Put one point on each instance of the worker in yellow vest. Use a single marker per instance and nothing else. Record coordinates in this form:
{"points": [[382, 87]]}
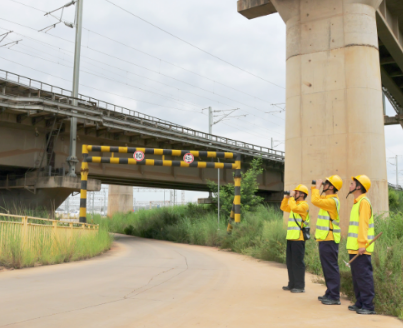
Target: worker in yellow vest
{"points": [[328, 235], [360, 233], [298, 219]]}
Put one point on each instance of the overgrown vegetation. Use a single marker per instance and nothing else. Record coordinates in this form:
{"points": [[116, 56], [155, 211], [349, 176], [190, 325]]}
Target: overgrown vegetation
{"points": [[15, 252], [249, 188], [261, 234]]}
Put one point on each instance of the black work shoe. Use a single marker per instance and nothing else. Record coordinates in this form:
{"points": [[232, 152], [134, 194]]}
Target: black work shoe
{"points": [[286, 288], [322, 298], [353, 308], [296, 290], [365, 311], [330, 301]]}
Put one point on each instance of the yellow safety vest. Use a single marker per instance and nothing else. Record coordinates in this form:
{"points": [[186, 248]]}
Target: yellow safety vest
{"points": [[352, 237], [323, 224], [293, 230]]}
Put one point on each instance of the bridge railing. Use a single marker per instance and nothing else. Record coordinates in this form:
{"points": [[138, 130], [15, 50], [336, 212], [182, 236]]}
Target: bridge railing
{"points": [[148, 120]]}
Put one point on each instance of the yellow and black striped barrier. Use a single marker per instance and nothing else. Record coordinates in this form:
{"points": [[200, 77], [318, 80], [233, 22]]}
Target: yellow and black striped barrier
{"points": [[236, 207]]}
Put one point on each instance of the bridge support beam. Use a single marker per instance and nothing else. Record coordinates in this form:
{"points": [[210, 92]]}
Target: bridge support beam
{"points": [[120, 199], [334, 116]]}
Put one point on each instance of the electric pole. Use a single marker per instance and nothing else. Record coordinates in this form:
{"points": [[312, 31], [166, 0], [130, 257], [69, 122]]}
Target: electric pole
{"points": [[397, 173], [72, 159], [210, 121], [225, 116]]}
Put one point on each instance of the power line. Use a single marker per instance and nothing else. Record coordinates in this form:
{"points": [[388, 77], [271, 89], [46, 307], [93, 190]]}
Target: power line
{"points": [[150, 69], [107, 78], [31, 55], [87, 86], [234, 127], [60, 49], [124, 96], [129, 72], [27, 6], [141, 51], [192, 45], [130, 85]]}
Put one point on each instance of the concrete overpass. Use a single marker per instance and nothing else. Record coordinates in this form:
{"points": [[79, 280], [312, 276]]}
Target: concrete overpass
{"points": [[35, 118], [389, 21]]}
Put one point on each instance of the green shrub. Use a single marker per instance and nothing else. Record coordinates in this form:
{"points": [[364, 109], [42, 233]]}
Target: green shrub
{"points": [[249, 187], [128, 230]]}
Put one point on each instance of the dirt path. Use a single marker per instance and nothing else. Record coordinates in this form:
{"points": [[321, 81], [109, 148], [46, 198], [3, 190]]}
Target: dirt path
{"points": [[147, 283]]}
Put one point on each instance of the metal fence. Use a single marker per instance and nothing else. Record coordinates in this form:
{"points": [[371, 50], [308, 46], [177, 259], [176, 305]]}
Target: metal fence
{"points": [[31, 232]]}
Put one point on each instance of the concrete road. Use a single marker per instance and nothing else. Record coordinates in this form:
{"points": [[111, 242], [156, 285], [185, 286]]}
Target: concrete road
{"points": [[147, 283]]}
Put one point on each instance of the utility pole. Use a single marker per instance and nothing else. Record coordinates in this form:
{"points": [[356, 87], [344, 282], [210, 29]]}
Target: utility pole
{"points": [[72, 159], [105, 195], [397, 174], [218, 209], [210, 121]]}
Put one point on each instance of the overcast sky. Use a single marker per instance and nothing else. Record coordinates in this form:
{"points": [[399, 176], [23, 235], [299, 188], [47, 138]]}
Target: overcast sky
{"points": [[131, 63]]}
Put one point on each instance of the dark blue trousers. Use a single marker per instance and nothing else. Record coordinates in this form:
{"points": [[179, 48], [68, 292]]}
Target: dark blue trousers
{"points": [[329, 256], [363, 281], [295, 264]]}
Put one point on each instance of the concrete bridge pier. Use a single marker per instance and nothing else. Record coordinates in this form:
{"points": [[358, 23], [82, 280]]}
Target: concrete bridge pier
{"points": [[334, 116], [120, 199]]}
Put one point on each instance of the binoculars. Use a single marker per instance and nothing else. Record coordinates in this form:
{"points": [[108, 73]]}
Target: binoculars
{"points": [[287, 193], [314, 182]]}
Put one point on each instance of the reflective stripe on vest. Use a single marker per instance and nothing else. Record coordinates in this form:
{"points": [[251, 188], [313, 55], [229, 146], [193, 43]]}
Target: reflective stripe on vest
{"points": [[293, 230], [353, 228], [323, 224]]}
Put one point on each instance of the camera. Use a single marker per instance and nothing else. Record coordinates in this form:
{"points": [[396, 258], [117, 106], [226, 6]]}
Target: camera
{"points": [[287, 193]]}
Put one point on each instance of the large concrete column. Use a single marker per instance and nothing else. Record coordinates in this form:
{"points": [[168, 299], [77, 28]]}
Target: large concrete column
{"points": [[120, 199], [334, 119]]}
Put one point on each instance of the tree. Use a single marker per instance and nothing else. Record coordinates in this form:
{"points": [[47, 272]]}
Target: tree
{"points": [[249, 187]]}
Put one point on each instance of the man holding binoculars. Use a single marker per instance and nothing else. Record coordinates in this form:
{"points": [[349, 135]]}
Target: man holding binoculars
{"points": [[328, 234], [294, 203]]}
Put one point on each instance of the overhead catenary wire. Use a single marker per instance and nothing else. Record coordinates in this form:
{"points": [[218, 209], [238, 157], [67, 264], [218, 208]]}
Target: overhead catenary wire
{"points": [[143, 52], [120, 95], [194, 94], [263, 111], [87, 86], [56, 47], [194, 46], [135, 87], [107, 78]]}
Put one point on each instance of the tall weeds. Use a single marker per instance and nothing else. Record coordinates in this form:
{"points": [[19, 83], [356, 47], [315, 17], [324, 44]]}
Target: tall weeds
{"points": [[16, 253]]}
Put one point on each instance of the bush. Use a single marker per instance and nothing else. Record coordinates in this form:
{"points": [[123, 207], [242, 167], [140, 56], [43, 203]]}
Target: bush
{"points": [[249, 187]]}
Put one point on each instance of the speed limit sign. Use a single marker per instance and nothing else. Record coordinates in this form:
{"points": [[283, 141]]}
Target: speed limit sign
{"points": [[138, 156], [188, 158]]}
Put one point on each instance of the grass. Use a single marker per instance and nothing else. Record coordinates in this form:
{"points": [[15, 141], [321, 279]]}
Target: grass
{"points": [[261, 234], [42, 248]]}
